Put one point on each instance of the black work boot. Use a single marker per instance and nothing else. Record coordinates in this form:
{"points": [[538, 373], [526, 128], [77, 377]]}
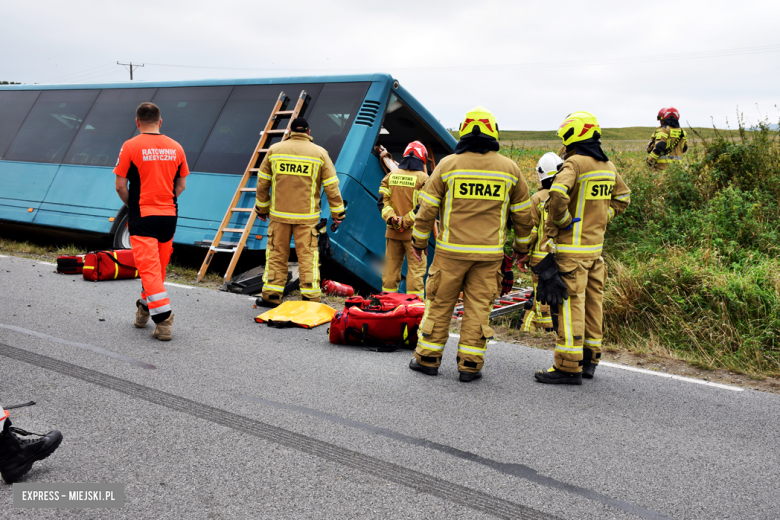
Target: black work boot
{"points": [[262, 302], [468, 377], [554, 376], [428, 371], [17, 455], [588, 367]]}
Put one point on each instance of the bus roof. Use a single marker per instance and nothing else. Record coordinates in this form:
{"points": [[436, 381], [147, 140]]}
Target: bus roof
{"points": [[206, 82]]}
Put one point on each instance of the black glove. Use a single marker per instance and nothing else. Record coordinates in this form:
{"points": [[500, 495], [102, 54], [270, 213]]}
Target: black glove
{"points": [[551, 290], [529, 304], [323, 240]]}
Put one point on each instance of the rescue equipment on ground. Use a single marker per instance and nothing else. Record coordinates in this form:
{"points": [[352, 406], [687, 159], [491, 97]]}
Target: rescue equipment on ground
{"points": [[251, 282], [388, 321], [332, 288], [548, 166], [117, 264], [277, 114], [508, 303], [70, 264], [302, 314], [579, 126], [482, 118]]}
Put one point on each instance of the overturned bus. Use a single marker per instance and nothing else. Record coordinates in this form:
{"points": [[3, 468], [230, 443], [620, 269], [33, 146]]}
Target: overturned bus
{"points": [[59, 144]]}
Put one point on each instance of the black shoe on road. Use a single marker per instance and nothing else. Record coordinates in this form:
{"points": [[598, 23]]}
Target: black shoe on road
{"points": [[468, 377], [556, 377], [17, 455], [428, 371], [260, 302], [589, 370]]}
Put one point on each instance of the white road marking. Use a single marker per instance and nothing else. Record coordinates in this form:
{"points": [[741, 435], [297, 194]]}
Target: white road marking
{"points": [[181, 285], [672, 376], [47, 263], [4, 256]]}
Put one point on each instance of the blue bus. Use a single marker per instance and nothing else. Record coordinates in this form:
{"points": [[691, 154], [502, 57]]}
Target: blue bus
{"points": [[59, 144]]}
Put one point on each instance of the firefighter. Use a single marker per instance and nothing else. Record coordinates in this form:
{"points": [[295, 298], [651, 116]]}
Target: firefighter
{"points": [[289, 183], [398, 192], [18, 455], [474, 191], [669, 142], [538, 316], [156, 168], [586, 195]]}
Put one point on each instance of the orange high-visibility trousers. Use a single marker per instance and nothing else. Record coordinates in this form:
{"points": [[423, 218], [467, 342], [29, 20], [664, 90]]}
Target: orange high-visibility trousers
{"points": [[151, 260]]}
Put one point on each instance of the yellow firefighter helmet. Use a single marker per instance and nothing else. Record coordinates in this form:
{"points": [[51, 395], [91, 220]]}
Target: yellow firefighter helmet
{"points": [[579, 126], [481, 118]]}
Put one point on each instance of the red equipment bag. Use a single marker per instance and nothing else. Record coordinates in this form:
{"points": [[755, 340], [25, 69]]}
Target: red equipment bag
{"points": [[118, 264], [70, 264], [388, 321]]}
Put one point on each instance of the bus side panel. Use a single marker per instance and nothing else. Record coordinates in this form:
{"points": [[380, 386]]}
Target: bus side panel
{"points": [[24, 185], [203, 205], [359, 243], [80, 197]]}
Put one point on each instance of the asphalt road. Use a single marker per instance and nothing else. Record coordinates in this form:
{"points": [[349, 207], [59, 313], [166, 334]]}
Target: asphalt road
{"points": [[233, 419]]}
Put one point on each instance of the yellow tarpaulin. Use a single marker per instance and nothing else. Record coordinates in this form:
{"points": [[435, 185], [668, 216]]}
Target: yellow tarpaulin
{"points": [[303, 314]]}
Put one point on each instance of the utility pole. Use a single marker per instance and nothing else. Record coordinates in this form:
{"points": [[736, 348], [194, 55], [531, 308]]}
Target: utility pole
{"points": [[130, 67]]}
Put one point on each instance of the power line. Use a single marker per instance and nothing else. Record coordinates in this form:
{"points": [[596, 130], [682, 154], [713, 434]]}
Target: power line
{"points": [[79, 73], [130, 67]]}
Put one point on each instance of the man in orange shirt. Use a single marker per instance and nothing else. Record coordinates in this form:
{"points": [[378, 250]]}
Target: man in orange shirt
{"points": [[156, 169]]}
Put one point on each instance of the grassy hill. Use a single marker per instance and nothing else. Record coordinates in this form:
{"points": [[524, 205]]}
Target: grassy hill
{"points": [[631, 133]]}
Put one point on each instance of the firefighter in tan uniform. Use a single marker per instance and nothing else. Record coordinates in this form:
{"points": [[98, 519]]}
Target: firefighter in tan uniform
{"points": [[538, 316], [399, 192], [289, 184], [474, 192], [587, 194], [669, 142]]}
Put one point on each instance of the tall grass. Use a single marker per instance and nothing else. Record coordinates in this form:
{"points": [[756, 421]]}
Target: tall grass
{"points": [[693, 262]]}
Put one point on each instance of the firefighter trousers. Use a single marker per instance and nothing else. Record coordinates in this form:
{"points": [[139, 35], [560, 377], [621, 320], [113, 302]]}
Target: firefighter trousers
{"points": [[581, 317], [539, 316], [277, 254], [480, 283], [395, 252], [151, 239]]}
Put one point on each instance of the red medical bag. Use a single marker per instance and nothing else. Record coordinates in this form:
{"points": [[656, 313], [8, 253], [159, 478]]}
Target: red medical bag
{"points": [[386, 320], [118, 264]]}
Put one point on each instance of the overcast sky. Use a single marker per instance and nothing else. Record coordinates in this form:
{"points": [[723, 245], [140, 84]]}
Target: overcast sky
{"points": [[531, 63]]}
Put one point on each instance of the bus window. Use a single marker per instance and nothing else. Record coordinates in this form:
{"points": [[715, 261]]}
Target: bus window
{"points": [[51, 125], [333, 114], [401, 126], [238, 128], [14, 107], [189, 114], [109, 124]]}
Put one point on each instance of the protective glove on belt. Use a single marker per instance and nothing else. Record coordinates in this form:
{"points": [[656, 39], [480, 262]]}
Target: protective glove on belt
{"points": [[550, 290]]}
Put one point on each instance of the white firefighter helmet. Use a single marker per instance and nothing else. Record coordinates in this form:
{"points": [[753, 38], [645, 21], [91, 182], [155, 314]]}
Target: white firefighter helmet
{"points": [[548, 165]]}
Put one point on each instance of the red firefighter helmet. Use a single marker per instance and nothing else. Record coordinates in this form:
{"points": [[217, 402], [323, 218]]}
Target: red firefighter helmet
{"points": [[417, 149], [666, 113]]}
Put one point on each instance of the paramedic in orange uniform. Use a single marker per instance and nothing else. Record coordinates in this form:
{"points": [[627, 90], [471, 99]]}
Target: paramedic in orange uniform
{"points": [[156, 169]]}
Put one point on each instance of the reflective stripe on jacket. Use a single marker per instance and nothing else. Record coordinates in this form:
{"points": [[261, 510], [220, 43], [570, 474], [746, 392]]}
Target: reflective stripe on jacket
{"points": [[592, 191], [538, 235], [399, 192], [474, 194], [291, 179]]}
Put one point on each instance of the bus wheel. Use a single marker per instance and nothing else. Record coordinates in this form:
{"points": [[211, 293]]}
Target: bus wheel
{"points": [[122, 234]]}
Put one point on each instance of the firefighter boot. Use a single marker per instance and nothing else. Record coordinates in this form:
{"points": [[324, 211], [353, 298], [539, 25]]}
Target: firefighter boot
{"points": [[588, 368], [558, 377], [17, 455], [428, 371], [142, 315], [163, 331], [468, 377]]}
